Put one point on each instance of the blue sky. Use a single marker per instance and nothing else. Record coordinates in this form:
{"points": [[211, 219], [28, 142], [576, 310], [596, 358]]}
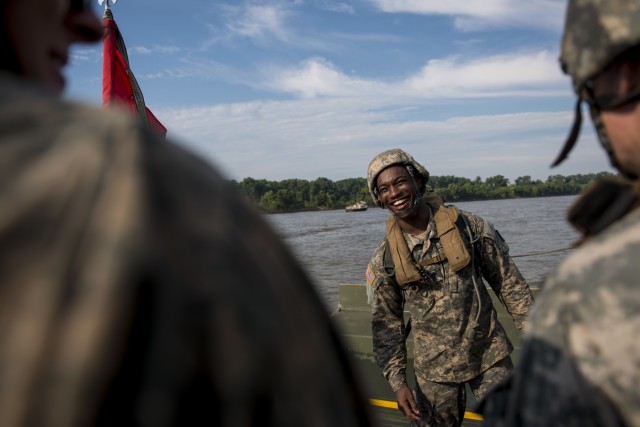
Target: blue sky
{"points": [[278, 89]]}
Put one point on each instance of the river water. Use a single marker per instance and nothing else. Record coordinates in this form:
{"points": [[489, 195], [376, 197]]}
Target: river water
{"points": [[336, 246]]}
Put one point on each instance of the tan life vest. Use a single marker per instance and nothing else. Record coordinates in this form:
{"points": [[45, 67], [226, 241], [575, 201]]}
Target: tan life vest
{"points": [[455, 250]]}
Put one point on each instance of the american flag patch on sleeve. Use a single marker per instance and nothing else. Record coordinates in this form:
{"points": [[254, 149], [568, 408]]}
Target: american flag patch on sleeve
{"points": [[370, 275]]}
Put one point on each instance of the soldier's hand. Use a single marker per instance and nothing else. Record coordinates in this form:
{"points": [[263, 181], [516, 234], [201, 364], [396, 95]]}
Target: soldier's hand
{"points": [[407, 404]]}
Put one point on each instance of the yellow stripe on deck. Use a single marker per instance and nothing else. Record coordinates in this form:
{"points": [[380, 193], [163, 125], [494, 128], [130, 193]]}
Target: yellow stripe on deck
{"points": [[394, 405]]}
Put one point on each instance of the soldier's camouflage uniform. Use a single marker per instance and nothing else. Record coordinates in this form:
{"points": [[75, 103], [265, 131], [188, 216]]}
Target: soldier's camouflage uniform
{"points": [[580, 361], [138, 289], [448, 346]]}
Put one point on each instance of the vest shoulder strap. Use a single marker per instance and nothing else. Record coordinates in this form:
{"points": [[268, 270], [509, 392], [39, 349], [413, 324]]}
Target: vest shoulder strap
{"points": [[449, 223], [387, 263]]}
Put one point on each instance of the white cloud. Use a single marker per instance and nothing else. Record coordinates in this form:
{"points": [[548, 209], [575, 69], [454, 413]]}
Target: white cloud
{"points": [[260, 22], [500, 75], [336, 138], [480, 15], [335, 6], [143, 50], [522, 74], [316, 77], [85, 55], [266, 24]]}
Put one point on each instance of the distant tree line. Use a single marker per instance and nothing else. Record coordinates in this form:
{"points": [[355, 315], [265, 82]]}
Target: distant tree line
{"points": [[293, 195]]}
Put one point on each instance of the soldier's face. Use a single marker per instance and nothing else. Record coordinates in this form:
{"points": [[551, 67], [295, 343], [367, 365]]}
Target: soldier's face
{"points": [[41, 33], [623, 122], [398, 190]]}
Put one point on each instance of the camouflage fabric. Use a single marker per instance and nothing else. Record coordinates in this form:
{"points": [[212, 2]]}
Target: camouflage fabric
{"points": [[138, 289], [447, 346], [597, 31], [388, 158], [443, 404], [579, 365]]}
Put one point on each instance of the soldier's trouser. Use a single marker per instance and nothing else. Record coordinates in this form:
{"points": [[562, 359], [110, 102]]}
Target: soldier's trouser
{"points": [[443, 404]]}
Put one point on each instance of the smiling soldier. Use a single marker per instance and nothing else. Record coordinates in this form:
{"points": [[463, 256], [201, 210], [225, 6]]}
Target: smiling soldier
{"points": [[432, 263]]}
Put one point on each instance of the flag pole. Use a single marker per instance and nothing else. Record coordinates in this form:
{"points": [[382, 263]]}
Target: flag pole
{"points": [[119, 85], [106, 3]]}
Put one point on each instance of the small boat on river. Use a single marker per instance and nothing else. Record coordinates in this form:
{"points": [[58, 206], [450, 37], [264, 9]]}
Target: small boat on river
{"points": [[358, 207]]}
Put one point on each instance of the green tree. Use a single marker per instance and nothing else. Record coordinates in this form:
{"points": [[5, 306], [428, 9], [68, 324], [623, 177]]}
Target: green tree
{"points": [[322, 193], [496, 181]]}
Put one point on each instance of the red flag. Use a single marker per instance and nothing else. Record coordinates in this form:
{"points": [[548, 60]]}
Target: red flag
{"points": [[119, 85]]}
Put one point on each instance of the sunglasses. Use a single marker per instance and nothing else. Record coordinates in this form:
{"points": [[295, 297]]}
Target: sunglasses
{"points": [[611, 102], [618, 84]]}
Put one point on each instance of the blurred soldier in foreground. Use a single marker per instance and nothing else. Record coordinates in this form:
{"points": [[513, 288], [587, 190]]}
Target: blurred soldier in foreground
{"points": [[433, 260], [580, 364], [136, 288]]}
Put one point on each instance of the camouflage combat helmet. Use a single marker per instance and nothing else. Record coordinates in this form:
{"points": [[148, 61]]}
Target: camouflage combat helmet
{"points": [[596, 32], [390, 158]]}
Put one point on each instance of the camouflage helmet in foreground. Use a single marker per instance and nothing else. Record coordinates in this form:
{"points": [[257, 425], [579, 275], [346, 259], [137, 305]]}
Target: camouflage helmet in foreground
{"points": [[595, 33], [391, 158]]}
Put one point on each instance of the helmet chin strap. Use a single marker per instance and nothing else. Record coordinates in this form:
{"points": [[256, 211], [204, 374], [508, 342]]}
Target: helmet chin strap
{"points": [[413, 207], [573, 135], [601, 131]]}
